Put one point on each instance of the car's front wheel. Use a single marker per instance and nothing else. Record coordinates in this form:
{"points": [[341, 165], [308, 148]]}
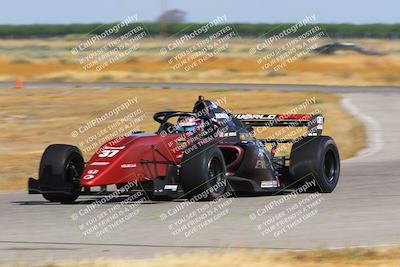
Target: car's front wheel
{"points": [[61, 167], [203, 174]]}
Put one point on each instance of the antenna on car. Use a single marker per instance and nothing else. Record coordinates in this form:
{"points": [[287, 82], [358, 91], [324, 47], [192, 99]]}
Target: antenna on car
{"points": [[201, 97]]}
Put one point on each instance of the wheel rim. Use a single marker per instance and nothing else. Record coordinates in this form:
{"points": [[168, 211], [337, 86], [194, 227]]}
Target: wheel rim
{"points": [[73, 170], [215, 173], [330, 166]]}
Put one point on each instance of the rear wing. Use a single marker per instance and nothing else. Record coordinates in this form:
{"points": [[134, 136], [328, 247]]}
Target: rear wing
{"points": [[313, 122]]}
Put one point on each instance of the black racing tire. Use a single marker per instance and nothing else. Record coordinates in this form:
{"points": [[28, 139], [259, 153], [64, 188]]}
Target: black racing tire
{"points": [[315, 158], [66, 164], [203, 174]]}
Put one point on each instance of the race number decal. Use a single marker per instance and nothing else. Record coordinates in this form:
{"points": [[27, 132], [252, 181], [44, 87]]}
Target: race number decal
{"points": [[108, 153]]}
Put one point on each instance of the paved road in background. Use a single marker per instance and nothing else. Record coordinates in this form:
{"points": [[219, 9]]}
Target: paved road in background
{"points": [[216, 86], [364, 210]]}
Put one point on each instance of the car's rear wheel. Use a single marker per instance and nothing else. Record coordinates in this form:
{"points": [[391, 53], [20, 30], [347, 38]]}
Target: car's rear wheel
{"points": [[61, 166], [203, 174], [315, 158]]}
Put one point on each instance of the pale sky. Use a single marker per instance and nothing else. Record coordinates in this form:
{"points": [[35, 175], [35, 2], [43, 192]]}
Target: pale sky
{"points": [[252, 11]]}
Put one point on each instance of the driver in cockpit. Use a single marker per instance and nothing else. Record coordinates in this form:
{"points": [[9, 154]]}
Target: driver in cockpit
{"points": [[187, 124]]}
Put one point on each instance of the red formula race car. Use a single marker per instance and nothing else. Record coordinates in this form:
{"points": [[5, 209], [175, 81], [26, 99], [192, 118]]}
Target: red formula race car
{"points": [[198, 155]]}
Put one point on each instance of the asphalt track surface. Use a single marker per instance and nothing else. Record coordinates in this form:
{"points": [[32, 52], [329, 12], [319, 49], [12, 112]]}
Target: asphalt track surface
{"points": [[210, 86], [363, 211]]}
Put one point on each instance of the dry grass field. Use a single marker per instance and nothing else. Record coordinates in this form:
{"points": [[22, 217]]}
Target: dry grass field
{"points": [[31, 119], [351, 257], [52, 60]]}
